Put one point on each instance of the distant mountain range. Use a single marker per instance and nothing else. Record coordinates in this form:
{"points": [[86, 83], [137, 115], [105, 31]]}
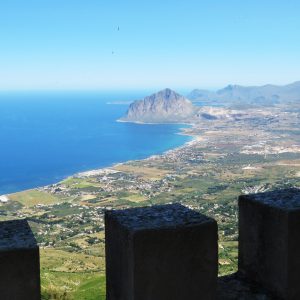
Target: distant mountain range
{"points": [[239, 96], [167, 106]]}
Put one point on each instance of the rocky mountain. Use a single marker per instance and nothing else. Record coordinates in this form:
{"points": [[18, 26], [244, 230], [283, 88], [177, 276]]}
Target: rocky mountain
{"points": [[237, 95], [168, 106], [162, 107]]}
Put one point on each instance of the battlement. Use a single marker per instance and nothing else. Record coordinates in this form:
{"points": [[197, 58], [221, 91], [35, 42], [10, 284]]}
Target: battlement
{"points": [[16, 235], [19, 262], [171, 252]]}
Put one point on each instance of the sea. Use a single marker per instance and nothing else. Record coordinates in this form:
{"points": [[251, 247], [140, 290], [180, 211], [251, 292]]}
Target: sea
{"points": [[48, 136]]}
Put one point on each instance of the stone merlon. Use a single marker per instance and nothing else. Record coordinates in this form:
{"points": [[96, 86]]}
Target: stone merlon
{"points": [[19, 262]]}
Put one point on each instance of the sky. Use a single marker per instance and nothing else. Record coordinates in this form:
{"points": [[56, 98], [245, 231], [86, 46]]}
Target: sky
{"points": [[130, 44]]}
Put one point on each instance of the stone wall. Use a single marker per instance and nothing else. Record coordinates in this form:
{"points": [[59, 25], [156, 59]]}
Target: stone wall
{"points": [[169, 252], [19, 262]]}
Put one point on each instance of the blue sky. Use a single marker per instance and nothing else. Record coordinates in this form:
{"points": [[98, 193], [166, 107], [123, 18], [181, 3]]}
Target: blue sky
{"points": [[75, 44]]}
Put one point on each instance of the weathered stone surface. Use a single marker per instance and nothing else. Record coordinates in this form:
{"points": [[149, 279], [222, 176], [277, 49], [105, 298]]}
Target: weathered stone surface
{"points": [[235, 287], [19, 262], [269, 241], [160, 252]]}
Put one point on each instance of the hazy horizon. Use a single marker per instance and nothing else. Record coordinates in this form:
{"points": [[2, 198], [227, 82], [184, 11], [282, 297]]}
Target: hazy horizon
{"points": [[130, 91]]}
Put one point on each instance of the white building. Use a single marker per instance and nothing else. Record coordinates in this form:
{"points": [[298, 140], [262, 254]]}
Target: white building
{"points": [[3, 199]]}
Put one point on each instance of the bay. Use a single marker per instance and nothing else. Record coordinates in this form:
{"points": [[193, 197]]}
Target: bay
{"points": [[47, 136]]}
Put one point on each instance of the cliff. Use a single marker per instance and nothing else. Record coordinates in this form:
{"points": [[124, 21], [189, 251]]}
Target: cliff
{"points": [[165, 106]]}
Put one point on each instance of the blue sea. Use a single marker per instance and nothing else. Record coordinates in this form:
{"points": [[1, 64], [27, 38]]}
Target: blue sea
{"points": [[47, 136]]}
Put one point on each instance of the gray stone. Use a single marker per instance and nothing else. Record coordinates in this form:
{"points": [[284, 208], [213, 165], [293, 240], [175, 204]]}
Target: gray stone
{"points": [[164, 106], [235, 287], [164, 252], [19, 262], [269, 241]]}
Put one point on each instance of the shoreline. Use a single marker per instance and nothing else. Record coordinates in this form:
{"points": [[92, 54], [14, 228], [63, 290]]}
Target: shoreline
{"points": [[110, 168], [154, 123], [104, 169]]}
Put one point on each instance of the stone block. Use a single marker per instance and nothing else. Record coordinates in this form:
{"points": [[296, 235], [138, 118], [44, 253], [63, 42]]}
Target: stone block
{"points": [[269, 241], [19, 262], [164, 252]]}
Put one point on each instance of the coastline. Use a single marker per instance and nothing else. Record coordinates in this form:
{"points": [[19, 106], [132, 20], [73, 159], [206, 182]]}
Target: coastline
{"points": [[110, 168], [88, 137], [154, 123]]}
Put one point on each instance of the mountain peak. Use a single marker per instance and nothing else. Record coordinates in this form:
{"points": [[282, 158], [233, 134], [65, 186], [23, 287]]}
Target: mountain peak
{"points": [[245, 96], [167, 91], [163, 106], [168, 94]]}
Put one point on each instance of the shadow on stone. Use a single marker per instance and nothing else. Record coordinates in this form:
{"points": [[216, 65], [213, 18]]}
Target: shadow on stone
{"points": [[19, 262], [236, 287], [269, 241], [164, 252]]}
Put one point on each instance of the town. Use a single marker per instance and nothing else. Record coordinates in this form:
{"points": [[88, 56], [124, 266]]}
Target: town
{"points": [[225, 158]]}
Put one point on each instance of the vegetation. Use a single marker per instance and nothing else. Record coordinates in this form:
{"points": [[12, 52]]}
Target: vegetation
{"points": [[207, 175]]}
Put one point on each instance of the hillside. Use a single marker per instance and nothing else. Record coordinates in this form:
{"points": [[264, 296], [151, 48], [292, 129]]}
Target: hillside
{"points": [[168, 106], [233, 95], [165, 106], [224, 160]]}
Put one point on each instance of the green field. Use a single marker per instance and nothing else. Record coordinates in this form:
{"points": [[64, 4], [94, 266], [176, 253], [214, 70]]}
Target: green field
{"points": [[67, 217], [66, 275], [32, 197]]}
